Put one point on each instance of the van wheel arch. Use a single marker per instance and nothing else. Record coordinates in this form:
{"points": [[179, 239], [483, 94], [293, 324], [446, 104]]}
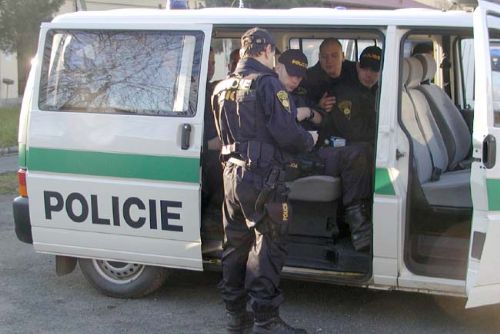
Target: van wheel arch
{"points": [[122, 279]]}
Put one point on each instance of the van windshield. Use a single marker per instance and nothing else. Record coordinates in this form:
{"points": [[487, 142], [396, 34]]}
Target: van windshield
{"points": [[139, 72]]}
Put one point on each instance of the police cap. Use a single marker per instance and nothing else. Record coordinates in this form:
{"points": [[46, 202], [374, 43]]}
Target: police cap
{"points": [[370, 58], [295, 62]]}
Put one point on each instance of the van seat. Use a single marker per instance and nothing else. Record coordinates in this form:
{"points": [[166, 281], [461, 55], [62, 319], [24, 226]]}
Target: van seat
{"points": [[454, 130], [315, 188], [456, 183], [452, 189]]}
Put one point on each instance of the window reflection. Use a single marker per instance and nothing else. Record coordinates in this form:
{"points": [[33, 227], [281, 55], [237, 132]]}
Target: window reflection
{"points": [[152, 73]]}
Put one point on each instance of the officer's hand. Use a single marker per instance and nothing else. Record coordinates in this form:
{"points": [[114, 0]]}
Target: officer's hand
{"points": [[314, 135], [303, 113], [327, 101]]}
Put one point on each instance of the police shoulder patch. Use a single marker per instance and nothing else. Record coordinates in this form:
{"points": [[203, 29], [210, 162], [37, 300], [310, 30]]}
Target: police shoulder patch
{"points": [[283, 98], [345, 107]]}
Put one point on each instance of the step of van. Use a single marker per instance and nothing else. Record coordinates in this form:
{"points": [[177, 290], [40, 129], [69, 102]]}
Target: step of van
{"points": [[314, 219], [312, 253], [325, 254]]}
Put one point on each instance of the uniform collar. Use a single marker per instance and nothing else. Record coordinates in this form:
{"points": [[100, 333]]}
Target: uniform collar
{"points": [[249, 65]]}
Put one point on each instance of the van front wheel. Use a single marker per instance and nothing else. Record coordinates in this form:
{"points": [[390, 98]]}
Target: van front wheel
{"points": [[122, 279]]}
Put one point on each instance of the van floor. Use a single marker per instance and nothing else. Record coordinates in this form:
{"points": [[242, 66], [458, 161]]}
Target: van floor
{"points": [[438, 243]]}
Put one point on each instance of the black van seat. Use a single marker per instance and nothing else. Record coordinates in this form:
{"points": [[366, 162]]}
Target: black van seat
{"points": [[315, 188]]}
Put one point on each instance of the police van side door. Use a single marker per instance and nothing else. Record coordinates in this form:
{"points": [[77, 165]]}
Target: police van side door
{"points": [[113, 153], [483, 274]]}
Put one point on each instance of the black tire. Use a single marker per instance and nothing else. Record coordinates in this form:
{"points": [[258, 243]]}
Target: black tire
{"points": [[121, 279]]}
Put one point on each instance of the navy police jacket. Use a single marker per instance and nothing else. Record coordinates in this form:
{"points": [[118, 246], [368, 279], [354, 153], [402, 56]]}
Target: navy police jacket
{"points": [[256, 117], [317, 82], [353, 116]]}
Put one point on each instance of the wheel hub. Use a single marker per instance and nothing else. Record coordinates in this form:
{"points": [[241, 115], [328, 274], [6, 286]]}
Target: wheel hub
{"points": [[118, 272]]}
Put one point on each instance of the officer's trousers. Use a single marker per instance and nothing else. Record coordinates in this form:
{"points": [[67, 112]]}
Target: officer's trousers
{"points": [[251, 261], [354, 165]]}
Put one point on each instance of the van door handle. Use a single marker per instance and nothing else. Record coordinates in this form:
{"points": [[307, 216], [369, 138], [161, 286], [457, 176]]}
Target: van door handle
{"points": [[489, 151], [186, 135]]}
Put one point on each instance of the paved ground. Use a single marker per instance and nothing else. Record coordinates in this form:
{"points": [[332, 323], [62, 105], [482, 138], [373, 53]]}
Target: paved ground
{"points": [[34, 300], [8, 163]]}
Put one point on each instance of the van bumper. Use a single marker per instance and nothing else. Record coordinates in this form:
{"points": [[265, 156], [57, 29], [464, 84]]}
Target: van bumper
{"points": [[22, 219]]}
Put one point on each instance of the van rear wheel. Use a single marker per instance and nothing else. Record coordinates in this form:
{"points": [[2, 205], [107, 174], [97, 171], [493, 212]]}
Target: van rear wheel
{"points": [[122, 279]]}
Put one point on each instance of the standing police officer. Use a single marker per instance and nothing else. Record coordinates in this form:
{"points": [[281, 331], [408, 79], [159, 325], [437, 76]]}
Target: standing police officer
{"points": [[257, 124]]}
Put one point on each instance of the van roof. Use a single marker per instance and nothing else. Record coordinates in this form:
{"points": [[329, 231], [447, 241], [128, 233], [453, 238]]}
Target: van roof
{"points": [[241, 16]]}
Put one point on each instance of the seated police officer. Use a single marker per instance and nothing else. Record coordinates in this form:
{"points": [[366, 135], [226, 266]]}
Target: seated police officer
{"points": [[353, 118], [291, 68], [352, 163], [259, 132], [331, 69]]}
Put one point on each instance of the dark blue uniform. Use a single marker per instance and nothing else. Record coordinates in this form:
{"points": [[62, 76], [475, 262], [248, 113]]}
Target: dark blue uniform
{"points": [[353, 118], [257, 124], [318, 82], [351, 163]]}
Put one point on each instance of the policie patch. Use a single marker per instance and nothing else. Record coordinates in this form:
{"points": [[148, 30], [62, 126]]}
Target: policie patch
{"points": [[283, 98], [346, 108]]}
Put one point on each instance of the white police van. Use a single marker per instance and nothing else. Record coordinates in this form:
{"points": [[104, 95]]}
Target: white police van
{"points": [[110, 143]]}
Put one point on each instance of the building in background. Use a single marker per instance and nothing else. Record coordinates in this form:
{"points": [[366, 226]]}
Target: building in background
{"points": [[8, 76], [8, 62], [376, 4]]}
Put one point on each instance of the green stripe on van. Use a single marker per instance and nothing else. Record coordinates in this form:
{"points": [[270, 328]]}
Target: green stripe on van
{"points": [[114, 164], [383, 184], [493, 188]]}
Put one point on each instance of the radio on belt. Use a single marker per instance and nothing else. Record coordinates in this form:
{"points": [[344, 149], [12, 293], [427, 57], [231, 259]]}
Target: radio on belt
{"points": [[335, 141]]}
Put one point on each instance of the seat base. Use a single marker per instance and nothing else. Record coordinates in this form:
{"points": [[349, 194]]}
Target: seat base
{"points": [[315, 188]]}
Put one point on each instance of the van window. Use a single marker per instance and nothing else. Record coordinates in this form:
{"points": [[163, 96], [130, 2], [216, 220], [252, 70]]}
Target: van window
{"points": [[467, 63], [139, 72], [222, 50], [495, 67], [352, 48]]}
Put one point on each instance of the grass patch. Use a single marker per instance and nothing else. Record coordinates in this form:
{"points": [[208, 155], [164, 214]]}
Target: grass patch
{"points": [[9, 122], [8, 183]]}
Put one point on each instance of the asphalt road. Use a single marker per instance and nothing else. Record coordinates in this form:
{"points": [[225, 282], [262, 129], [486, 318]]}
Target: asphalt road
{"points": [[34, 300], [8, 163]]}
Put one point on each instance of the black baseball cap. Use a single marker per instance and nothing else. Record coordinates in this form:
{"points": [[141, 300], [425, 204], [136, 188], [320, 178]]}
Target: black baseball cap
{"points": [[295, 62], [370, 58]]}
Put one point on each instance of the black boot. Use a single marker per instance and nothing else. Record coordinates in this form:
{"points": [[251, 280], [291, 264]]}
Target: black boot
{"points": [[357, 216], [239, 322], [275, 325]]}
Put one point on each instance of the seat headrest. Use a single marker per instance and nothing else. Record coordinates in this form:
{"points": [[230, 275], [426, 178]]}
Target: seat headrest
{"points": [[415, 73], [429, 65], [406, 72]]}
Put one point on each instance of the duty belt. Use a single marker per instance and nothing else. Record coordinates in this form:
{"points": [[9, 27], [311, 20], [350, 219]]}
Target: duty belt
{"points": [[237, 162]]}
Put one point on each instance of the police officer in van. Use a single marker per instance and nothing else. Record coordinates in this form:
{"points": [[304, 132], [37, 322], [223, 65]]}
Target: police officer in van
{"points": [[353, 115], [257, 124], [352, 162], [353, 118]]}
